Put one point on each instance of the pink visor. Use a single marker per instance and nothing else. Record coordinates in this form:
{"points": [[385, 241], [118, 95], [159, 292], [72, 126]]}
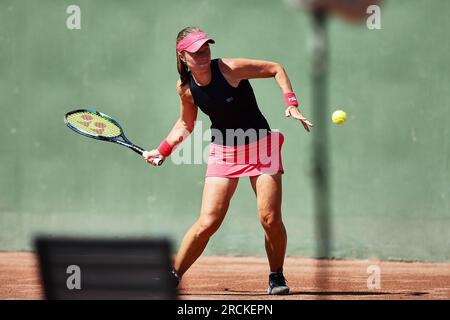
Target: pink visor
{"points": [[193, 41]]}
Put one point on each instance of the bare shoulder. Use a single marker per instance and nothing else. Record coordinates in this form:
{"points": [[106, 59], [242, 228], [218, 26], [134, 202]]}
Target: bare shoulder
{"points": [[230, 70], [228, 64], [237, 63], [184, 91], [242, 68]]}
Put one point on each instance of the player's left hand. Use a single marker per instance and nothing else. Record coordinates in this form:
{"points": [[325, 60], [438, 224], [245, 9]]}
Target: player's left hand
{"points": [[293, 112]]}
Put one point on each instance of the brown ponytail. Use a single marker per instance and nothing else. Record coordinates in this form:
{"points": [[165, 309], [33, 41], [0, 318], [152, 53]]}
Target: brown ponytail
{"points": [[183, 70]]}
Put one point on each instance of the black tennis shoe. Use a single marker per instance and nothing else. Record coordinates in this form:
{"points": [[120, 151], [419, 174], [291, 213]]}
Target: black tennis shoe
{"points": [[277, 284]]}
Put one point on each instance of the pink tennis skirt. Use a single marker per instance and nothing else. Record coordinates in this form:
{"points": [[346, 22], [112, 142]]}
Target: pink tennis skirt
{"points": [[256, 158]]}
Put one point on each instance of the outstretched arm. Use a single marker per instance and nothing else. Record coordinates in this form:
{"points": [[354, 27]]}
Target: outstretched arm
{"points": [[236, 70]]}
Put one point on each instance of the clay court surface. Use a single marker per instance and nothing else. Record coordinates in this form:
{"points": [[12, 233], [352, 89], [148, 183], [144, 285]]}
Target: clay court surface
{"points": [[224, 278]]}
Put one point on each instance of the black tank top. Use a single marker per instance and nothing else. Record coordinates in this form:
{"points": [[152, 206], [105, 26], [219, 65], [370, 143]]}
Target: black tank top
{"points": [[229, 108]]}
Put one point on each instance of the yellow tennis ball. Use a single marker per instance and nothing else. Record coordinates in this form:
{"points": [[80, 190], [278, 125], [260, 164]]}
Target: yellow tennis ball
{"points": [[339, 117]]}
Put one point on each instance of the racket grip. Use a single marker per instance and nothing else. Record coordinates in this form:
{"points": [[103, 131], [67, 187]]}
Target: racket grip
{"points": [[155, 161], [158, 161]]}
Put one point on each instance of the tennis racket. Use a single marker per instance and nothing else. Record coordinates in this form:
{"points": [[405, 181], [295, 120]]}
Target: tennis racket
{"points": [[96, 125]]}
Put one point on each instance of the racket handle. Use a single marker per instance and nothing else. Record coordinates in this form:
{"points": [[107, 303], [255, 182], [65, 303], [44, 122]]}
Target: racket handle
{"points": [[158, 161], [155, 161]]}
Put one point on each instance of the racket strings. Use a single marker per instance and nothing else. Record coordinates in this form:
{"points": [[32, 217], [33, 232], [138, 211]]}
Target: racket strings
{"points": [[94, 124]]}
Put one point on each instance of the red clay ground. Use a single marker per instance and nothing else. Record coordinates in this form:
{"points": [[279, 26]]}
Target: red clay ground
{"points": [[224, 278]]}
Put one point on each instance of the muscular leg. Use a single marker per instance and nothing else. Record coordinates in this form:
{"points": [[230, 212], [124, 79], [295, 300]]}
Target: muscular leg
{"points": [[268, 193], [217, 193]]}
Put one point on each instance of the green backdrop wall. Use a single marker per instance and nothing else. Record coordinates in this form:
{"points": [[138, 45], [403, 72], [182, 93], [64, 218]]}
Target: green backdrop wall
{"points": [[390, 161]]}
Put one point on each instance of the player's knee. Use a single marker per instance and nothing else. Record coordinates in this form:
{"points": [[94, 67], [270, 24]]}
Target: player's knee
{"points": [[271, 220], [207, 227]]}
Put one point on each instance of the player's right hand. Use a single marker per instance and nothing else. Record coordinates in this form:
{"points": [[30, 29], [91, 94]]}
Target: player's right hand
{"points": [[152, 157]]}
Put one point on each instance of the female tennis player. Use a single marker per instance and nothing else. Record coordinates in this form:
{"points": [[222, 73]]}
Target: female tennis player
{"points": [[221, 89]]}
